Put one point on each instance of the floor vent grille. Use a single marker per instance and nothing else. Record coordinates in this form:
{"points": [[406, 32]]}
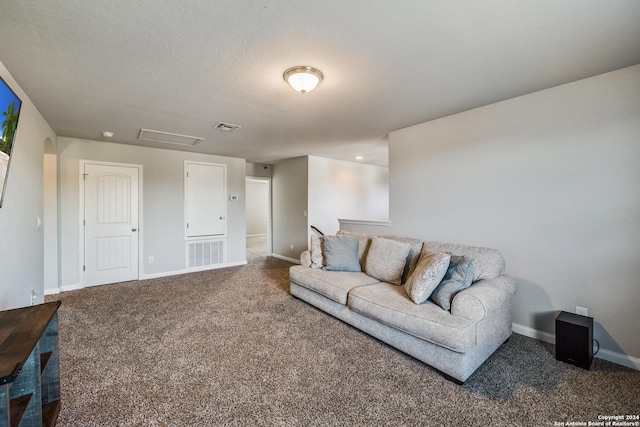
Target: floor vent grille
{"points": [[205, 253]]}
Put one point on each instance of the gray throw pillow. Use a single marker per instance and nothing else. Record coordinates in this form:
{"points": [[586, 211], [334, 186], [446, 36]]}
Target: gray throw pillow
{"points": [[363, 243], [386, 260], [459, 276], [341, 253], [427, 275]]}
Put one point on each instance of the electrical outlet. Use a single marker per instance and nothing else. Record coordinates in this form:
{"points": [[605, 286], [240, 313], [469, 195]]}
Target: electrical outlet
{"points": [[582, 311], [291, 248], [150, 260]]}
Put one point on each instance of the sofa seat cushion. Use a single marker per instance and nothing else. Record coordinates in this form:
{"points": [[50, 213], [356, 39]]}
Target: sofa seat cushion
{"points": [[390, 305], [334, 285]]}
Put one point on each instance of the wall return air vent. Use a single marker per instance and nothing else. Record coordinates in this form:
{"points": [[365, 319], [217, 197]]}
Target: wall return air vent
{"points": [[168, 138], [205, 254]]}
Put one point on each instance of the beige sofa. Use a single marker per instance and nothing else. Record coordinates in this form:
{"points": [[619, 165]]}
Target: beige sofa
{"points": [[455, 341]]}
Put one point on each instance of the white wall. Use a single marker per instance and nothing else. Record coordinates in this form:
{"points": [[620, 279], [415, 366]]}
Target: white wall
{"points": [[257, 203], [553, 180], [163, 203], [317, 191], [289, 203], [339, 189], [50, 219], [259, 170], [22, 248]]}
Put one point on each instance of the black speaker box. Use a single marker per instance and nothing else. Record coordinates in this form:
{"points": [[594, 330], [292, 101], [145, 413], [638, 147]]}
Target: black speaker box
{"points": [[574, 339]]}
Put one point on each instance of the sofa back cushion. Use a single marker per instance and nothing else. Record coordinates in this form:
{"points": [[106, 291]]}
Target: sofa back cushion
{"points": [[414, 254], [488, 262], [386, 260], [412, 257]]}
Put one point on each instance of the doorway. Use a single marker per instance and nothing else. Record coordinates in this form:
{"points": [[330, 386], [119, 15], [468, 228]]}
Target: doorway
{"points": [[258, 216]]}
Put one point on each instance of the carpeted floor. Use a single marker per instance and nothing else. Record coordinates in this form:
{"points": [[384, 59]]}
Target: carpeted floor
{"points": [[232, 347]]}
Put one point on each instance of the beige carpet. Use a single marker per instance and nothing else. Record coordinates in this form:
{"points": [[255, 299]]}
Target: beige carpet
{"points": [[232, 347]]}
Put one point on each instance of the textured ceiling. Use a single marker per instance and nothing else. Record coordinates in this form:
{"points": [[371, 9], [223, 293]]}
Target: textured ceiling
{"points": [[183, 66]]}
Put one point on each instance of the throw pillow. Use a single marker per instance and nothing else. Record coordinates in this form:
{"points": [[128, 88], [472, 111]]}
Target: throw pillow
{"points": [[341, 253], [317, 257], [459, 276], [488, 262], [386, 260], [364, 242], [427, 275]]}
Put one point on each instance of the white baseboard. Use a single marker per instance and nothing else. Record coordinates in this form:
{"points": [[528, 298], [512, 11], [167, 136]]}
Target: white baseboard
{"points": [[534, 333], [73, 287], [77, 286], [191, 270], [257, 235], [216, 267], [236, 264], [604, 354], [619, 358], [163, 274], [293, 260]]}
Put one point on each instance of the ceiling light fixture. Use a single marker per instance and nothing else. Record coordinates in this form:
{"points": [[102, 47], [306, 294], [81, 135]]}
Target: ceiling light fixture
{"points": [[303, 78]]}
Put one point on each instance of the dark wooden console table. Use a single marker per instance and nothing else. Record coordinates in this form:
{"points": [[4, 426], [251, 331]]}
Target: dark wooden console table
{"points": [[29, 366]]}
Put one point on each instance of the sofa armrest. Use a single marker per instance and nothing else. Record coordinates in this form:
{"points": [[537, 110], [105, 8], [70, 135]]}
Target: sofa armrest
{"points": [[484, 296], [305, 258]]}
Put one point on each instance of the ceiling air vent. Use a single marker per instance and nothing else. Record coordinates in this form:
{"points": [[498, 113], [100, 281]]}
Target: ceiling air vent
{"points": [[168, 138], [227, 127]]}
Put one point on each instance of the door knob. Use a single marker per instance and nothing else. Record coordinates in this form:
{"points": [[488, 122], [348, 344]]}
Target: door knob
{"points": [[134, 229]]}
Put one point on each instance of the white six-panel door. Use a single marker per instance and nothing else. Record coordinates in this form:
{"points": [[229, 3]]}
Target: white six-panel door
{"points": [[110, 224]]}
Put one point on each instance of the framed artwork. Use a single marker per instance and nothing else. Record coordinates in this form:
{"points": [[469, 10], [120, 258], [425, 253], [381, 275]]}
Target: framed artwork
{"points": [[10, 109]]}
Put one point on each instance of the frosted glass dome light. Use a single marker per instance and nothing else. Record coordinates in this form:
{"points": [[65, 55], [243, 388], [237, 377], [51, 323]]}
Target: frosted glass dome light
{"points": [[302, 78]]}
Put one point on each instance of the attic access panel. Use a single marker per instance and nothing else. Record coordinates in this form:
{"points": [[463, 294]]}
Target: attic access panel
{"points": [[168, 137]]}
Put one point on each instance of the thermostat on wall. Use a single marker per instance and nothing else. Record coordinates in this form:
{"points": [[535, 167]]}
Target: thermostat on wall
{"points": [[233, 197]]}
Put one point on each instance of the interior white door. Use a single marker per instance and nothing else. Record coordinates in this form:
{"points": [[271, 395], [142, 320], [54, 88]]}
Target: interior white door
{"points": [[110, 224], [205, 189]]}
